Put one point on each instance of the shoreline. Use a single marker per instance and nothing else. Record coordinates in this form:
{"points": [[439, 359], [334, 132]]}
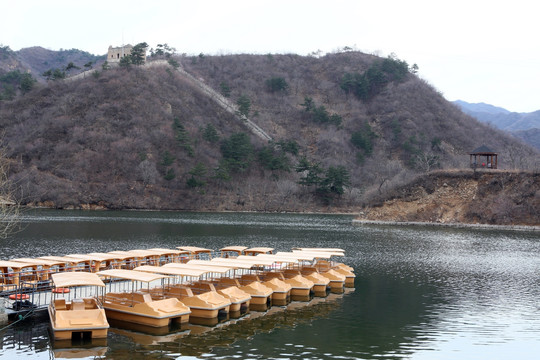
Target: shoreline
{"points": [[533, 228]]}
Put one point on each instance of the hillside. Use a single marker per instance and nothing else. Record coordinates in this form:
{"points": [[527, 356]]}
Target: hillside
{"points": [[492, 197], [151, 137]]}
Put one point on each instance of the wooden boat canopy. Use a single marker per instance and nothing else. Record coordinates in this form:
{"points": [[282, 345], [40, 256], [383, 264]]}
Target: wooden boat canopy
{"points": [[261, 250], [273, 258], [64, 259], [195, 249], [86, 257], [243, 261], [38, 261], [327, 254], [319, 249], [207, 266], [168, 269], [298, 256], [162, 251], [77, 278], [239, 249], [131, 275], [111, 256]]}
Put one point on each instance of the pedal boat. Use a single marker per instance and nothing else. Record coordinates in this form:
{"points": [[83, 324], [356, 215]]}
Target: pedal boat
{"points": [[213, 281], [301, 287], [206, 305], [232, 251], [260, 294], [81, 317], [324, 264], [137, 305], [198, 253]]}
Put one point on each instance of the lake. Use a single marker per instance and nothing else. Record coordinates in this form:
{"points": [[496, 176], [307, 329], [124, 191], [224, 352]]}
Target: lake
{"points": [[420, 292]]}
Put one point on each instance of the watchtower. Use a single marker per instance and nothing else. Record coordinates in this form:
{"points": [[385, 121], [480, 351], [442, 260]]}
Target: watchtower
{"points": [[116, 53]]}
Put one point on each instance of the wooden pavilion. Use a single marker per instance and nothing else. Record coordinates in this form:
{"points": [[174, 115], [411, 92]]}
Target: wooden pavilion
{"points": [[483, 157]]}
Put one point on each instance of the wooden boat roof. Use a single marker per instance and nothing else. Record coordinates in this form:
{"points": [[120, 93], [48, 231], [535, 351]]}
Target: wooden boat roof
{"points": [[260, 249], [163, 251], [15, 265], [141, 252], [206, 265], [76, 278], [195, 249], [170, 270], [319, 254], [37, 261], [111, 256], [86, 257], [273, 258], [334, 252], [234, 248], [131, 275], [125, 254], [319, 249], [243, 261], [298, 255], [64, 259]]}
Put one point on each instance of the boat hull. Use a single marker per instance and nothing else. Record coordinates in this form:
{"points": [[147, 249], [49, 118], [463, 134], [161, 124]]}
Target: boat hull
{"points": [[145, 320]]}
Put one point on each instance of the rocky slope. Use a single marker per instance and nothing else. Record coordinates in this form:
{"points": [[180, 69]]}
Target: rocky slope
{"points": [[490, 197]]}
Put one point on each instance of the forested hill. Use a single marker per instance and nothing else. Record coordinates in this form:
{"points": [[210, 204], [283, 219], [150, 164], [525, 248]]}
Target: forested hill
{"points": [[344, 127]]}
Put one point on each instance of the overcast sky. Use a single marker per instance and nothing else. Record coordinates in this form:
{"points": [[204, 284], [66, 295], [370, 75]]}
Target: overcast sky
{"points": [[473, 50]]}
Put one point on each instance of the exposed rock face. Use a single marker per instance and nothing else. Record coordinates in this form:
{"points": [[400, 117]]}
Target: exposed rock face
{"points": [[494, 197]]}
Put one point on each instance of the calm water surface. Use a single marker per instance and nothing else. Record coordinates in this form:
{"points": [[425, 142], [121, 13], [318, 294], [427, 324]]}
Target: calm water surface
{"points": [[420, 292]]}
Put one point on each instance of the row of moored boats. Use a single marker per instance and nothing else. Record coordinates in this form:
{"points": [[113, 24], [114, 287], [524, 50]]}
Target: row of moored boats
{"points": [[160, 287]]}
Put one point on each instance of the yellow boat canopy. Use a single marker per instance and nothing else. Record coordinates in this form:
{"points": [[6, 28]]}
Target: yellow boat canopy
{"points": [[15, 265], [64, 259], [162, 251], [239, 249], [205, 265], [131, 275], [327, 254], [38, 261], [111, 256], [170, 270], [195, 249], [76, 278], [260, 250], [319, 249], [269, 259]]}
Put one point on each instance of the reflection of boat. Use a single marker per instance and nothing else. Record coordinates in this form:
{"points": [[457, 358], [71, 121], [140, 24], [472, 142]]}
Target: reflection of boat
{"points": [[138, 306], [148, 335], [81, 317], [79, 353]]}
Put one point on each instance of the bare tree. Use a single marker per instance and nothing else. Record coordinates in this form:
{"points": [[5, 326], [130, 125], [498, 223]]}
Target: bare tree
{"points": [[9, 208]]}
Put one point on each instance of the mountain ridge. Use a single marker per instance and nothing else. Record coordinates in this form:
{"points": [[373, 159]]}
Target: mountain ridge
{"points": [[137, 137]]}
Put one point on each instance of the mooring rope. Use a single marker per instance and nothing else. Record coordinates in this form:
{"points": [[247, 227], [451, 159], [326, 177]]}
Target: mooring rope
{"points": [[21, 318]]}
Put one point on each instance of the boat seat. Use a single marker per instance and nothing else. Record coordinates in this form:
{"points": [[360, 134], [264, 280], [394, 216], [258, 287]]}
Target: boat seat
{"points": [[139, 297], [60, 304], [77, 304]]}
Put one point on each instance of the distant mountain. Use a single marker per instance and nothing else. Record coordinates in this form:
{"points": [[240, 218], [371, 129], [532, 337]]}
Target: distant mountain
{"points": [[36, 60], [481, 108], [525, 126], [499, 117]]}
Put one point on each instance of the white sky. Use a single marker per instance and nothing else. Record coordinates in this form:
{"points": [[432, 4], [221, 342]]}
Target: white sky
{"points": [[473, 50]]}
